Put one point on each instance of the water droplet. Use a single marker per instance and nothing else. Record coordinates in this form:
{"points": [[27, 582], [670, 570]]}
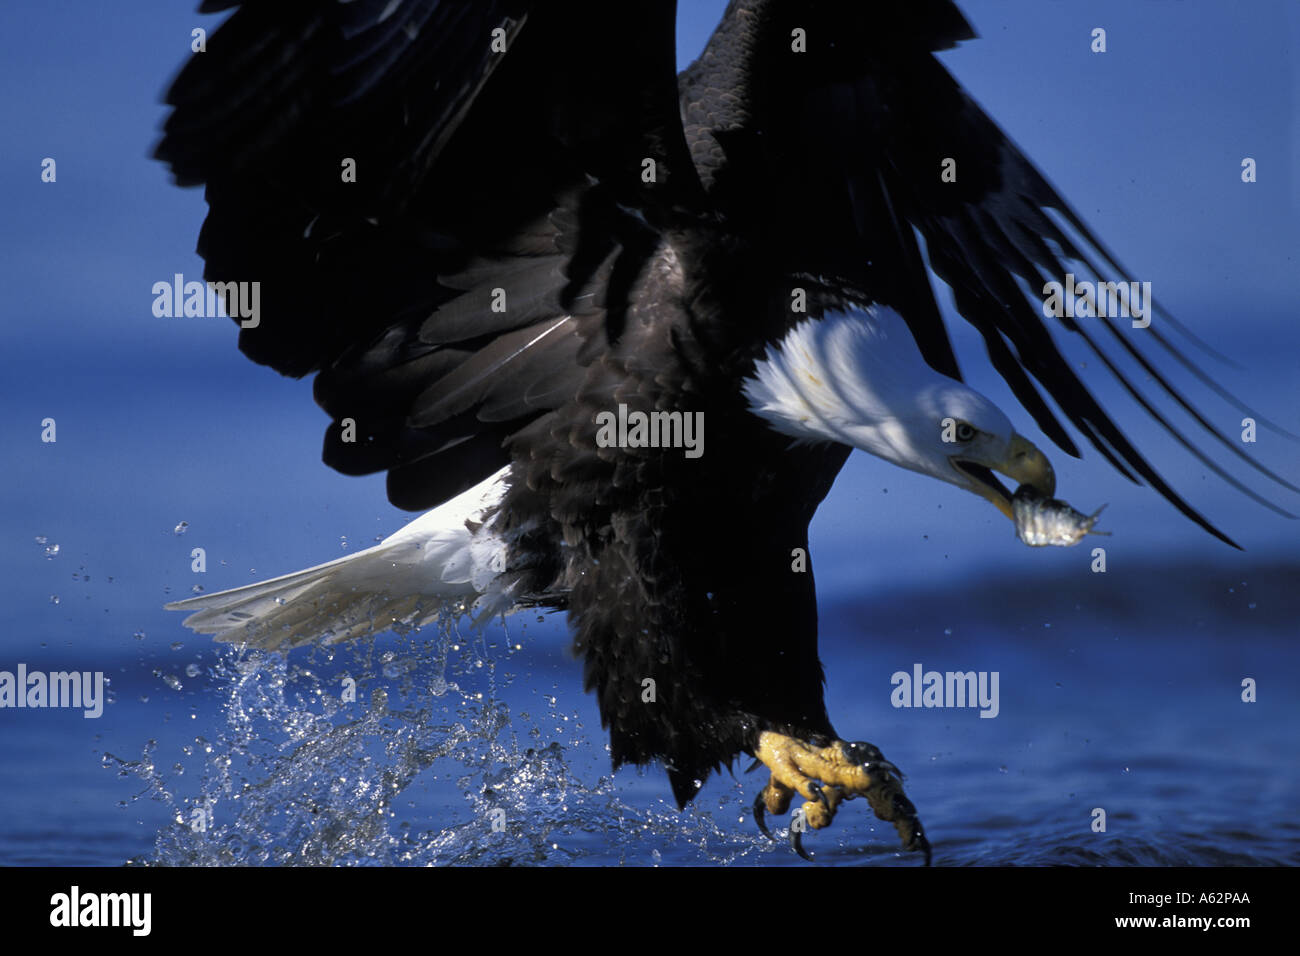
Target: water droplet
{"points": [[1251, 605], [343, 542], [197, 589], [51, 552], [54, 599], [948, 631], [177, 645], [41, 539], [181, 528], [191, 670], [138, 635], [172, 681]]}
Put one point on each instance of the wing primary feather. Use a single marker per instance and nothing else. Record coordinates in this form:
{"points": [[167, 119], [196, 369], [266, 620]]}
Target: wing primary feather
{"points": [[1150, 473], [1192, 410], [1191, 366], [1056, 202]]}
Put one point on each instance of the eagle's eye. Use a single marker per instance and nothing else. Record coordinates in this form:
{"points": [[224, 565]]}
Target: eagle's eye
{"points": [[964, 432]]}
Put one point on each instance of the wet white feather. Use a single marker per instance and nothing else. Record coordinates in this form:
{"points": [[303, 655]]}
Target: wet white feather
{"points": [[448, 555]]}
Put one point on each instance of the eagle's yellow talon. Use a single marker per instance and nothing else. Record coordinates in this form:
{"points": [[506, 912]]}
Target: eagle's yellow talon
{"points": [[827, 776], [777, 797], [819, 813]]}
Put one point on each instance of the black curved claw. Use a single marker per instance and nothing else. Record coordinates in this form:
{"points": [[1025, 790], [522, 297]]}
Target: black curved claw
{"points": [[796, 841], [905, 817], [817, 789], [759, 818], [862, 752], [869, 756], [925, 845], [919, 842], [883, 764]]}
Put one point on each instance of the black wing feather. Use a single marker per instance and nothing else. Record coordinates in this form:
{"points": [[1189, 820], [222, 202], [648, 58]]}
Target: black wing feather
{"points": [[478, 174], [867, 104]]}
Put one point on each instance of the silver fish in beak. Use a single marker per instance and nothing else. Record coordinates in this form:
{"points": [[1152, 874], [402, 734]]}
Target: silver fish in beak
{"points": [[1042, 520]]}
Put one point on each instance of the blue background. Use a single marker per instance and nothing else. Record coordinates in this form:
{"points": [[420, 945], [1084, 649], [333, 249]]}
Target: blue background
{"points": [[1119, 690]]}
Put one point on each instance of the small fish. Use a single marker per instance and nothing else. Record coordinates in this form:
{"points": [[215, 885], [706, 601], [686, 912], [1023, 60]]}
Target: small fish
{"points": [[1042, 521]]}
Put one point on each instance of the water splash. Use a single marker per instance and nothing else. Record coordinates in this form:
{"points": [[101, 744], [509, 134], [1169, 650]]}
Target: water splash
{"points": [[402, 751]]}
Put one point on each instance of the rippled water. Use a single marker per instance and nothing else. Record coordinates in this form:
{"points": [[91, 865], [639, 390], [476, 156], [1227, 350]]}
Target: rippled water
{"points": [[468, 747]]}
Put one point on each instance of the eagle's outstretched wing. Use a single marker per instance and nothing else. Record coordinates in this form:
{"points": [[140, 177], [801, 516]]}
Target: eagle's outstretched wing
{"points": [[445, 202], [860, 141]]}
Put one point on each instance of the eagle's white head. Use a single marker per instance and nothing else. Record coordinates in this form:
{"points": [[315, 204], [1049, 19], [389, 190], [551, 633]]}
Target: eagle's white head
{"points": [[858, 378]]}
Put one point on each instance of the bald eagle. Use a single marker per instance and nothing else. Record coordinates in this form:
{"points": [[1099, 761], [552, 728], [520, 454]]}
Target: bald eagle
{"points": [[616, 325]]}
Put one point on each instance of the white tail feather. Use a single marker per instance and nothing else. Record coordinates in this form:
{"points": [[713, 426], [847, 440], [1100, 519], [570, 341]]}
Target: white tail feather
{"points": [[433, 564]]}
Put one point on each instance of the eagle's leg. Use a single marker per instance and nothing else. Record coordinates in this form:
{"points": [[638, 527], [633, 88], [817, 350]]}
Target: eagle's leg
{"points": [[826, 776]]}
